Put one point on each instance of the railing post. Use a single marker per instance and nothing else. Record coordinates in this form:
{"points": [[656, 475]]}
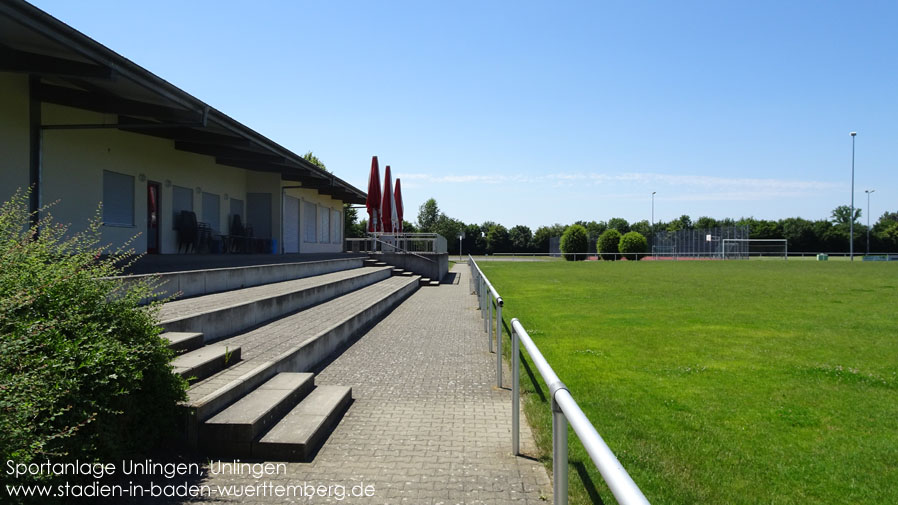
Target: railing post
{"points": [[498, 344], [559, 455], [489, 316], [515, 392]]}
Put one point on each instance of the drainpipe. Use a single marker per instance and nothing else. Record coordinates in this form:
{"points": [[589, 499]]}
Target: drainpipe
{"points": [[35, 165]]}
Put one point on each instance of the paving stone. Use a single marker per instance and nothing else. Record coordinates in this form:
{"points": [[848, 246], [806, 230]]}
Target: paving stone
{"points": [[427, 425]]}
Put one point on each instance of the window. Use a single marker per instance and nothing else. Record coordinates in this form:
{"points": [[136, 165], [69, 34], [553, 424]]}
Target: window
{"points": [[181, 199], [336, 225], [324, 215], [118, 199], [212, 211], [309, 222]]}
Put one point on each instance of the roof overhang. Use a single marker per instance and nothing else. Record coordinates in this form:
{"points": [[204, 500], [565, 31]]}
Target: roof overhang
{"points": [[71, 69]]}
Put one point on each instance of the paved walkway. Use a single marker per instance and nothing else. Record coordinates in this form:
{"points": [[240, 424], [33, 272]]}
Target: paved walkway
{"points": [[428, 426]]}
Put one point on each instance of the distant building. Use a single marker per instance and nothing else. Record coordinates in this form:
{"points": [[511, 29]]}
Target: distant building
{"points": [[81, 124]]}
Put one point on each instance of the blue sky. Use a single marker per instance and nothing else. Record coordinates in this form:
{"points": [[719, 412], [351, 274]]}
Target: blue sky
{"points": [[541, 112]]}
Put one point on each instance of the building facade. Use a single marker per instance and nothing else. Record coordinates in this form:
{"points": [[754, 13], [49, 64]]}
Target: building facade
{"points": [[82, 126]]}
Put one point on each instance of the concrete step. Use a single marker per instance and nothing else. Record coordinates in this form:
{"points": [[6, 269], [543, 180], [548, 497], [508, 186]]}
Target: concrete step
{"points": [[187, 283], [304, 429], [223, 314], [205, 361], [424, 281], [295, 343], [233, 430], [183, 341]]}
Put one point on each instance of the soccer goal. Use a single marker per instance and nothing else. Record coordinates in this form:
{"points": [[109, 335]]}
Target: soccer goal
{"points": [[743, 248]]}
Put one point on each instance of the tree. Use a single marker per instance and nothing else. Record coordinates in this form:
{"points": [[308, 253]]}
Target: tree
{"points": [[842, 214], [642, 227], [474, 242], [520, 237], [705, 223], [594, 229], [449, 228], [609, 243], [799, 233], [428, 214], [543, 234], [574, 243], [350, 227], [311, 158], [497, 239], [620, 224], [634, 245], [683, 222]]}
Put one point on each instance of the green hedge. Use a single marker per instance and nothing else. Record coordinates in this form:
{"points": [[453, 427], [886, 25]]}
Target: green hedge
{"points": [[608, 243], [83, 372], [633, 245], [574, 240]]}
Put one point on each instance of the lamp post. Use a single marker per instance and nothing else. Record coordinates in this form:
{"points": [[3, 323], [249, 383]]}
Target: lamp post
{"points": [[460, 236], [868, 191], [653, 222], [851, 216]]}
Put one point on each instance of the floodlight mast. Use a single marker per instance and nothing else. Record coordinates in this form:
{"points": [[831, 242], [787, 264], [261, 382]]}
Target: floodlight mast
{"points": [[868, 191], [851, 216]]}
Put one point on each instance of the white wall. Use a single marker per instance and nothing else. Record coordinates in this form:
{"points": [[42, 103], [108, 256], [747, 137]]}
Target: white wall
{"points": [[14, 142]]}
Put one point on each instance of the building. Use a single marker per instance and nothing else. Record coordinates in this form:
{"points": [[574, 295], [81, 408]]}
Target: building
{"points": [[81, 124]]}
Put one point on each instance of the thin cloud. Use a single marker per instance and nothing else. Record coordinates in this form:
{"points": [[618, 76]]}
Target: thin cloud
{"points": [[689, 187]]}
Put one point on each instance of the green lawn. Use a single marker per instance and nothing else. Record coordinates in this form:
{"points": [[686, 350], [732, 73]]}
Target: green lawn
{"points": [[721, 382]]}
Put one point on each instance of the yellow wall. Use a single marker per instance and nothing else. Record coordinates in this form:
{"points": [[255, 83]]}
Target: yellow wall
{"points": [[73, 162], [14, 143], [323, 201]]}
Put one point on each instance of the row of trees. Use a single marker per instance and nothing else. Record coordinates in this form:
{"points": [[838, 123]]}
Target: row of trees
{"points": [[489, 237]]}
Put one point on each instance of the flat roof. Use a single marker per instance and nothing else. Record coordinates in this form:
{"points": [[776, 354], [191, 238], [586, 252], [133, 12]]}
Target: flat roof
{"points": [[71, 69]]}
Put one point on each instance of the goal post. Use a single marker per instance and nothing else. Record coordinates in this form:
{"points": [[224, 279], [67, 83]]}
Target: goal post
{"points": [[743, 248]]}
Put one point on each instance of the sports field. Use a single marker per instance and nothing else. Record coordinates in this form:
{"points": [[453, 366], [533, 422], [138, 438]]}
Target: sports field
{"points": [[721, 381]]}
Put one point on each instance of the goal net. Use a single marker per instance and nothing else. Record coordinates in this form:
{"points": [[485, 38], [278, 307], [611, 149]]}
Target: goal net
{"points": [[745, 248]]}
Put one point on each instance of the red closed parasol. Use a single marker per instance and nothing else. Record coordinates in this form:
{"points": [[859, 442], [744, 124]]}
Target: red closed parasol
{"points": [[397, 200], [386, 203], [373, 201]]}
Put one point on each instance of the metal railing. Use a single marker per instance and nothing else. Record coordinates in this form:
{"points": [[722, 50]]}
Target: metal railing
{"points": [[564, 408], [397, 242], [488, 297]]}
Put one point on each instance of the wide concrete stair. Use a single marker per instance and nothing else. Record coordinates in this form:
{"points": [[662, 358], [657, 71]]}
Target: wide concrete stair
{"points": [[249, 355], [223, 314]]}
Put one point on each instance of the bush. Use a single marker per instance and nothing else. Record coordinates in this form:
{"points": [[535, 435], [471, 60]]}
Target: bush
{"points": [[83, 372], [608, 244], [574, 241], [633, 245]]}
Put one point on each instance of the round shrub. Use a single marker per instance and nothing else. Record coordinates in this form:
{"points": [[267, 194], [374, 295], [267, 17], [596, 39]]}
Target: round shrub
{"points": [[574, 240], [608, 244], [83, 372], [633, 245]]}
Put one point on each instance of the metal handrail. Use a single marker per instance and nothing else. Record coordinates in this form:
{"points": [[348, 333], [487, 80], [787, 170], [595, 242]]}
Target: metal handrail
{"points": [[483, 285], [564, 408], [394, 246]]}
